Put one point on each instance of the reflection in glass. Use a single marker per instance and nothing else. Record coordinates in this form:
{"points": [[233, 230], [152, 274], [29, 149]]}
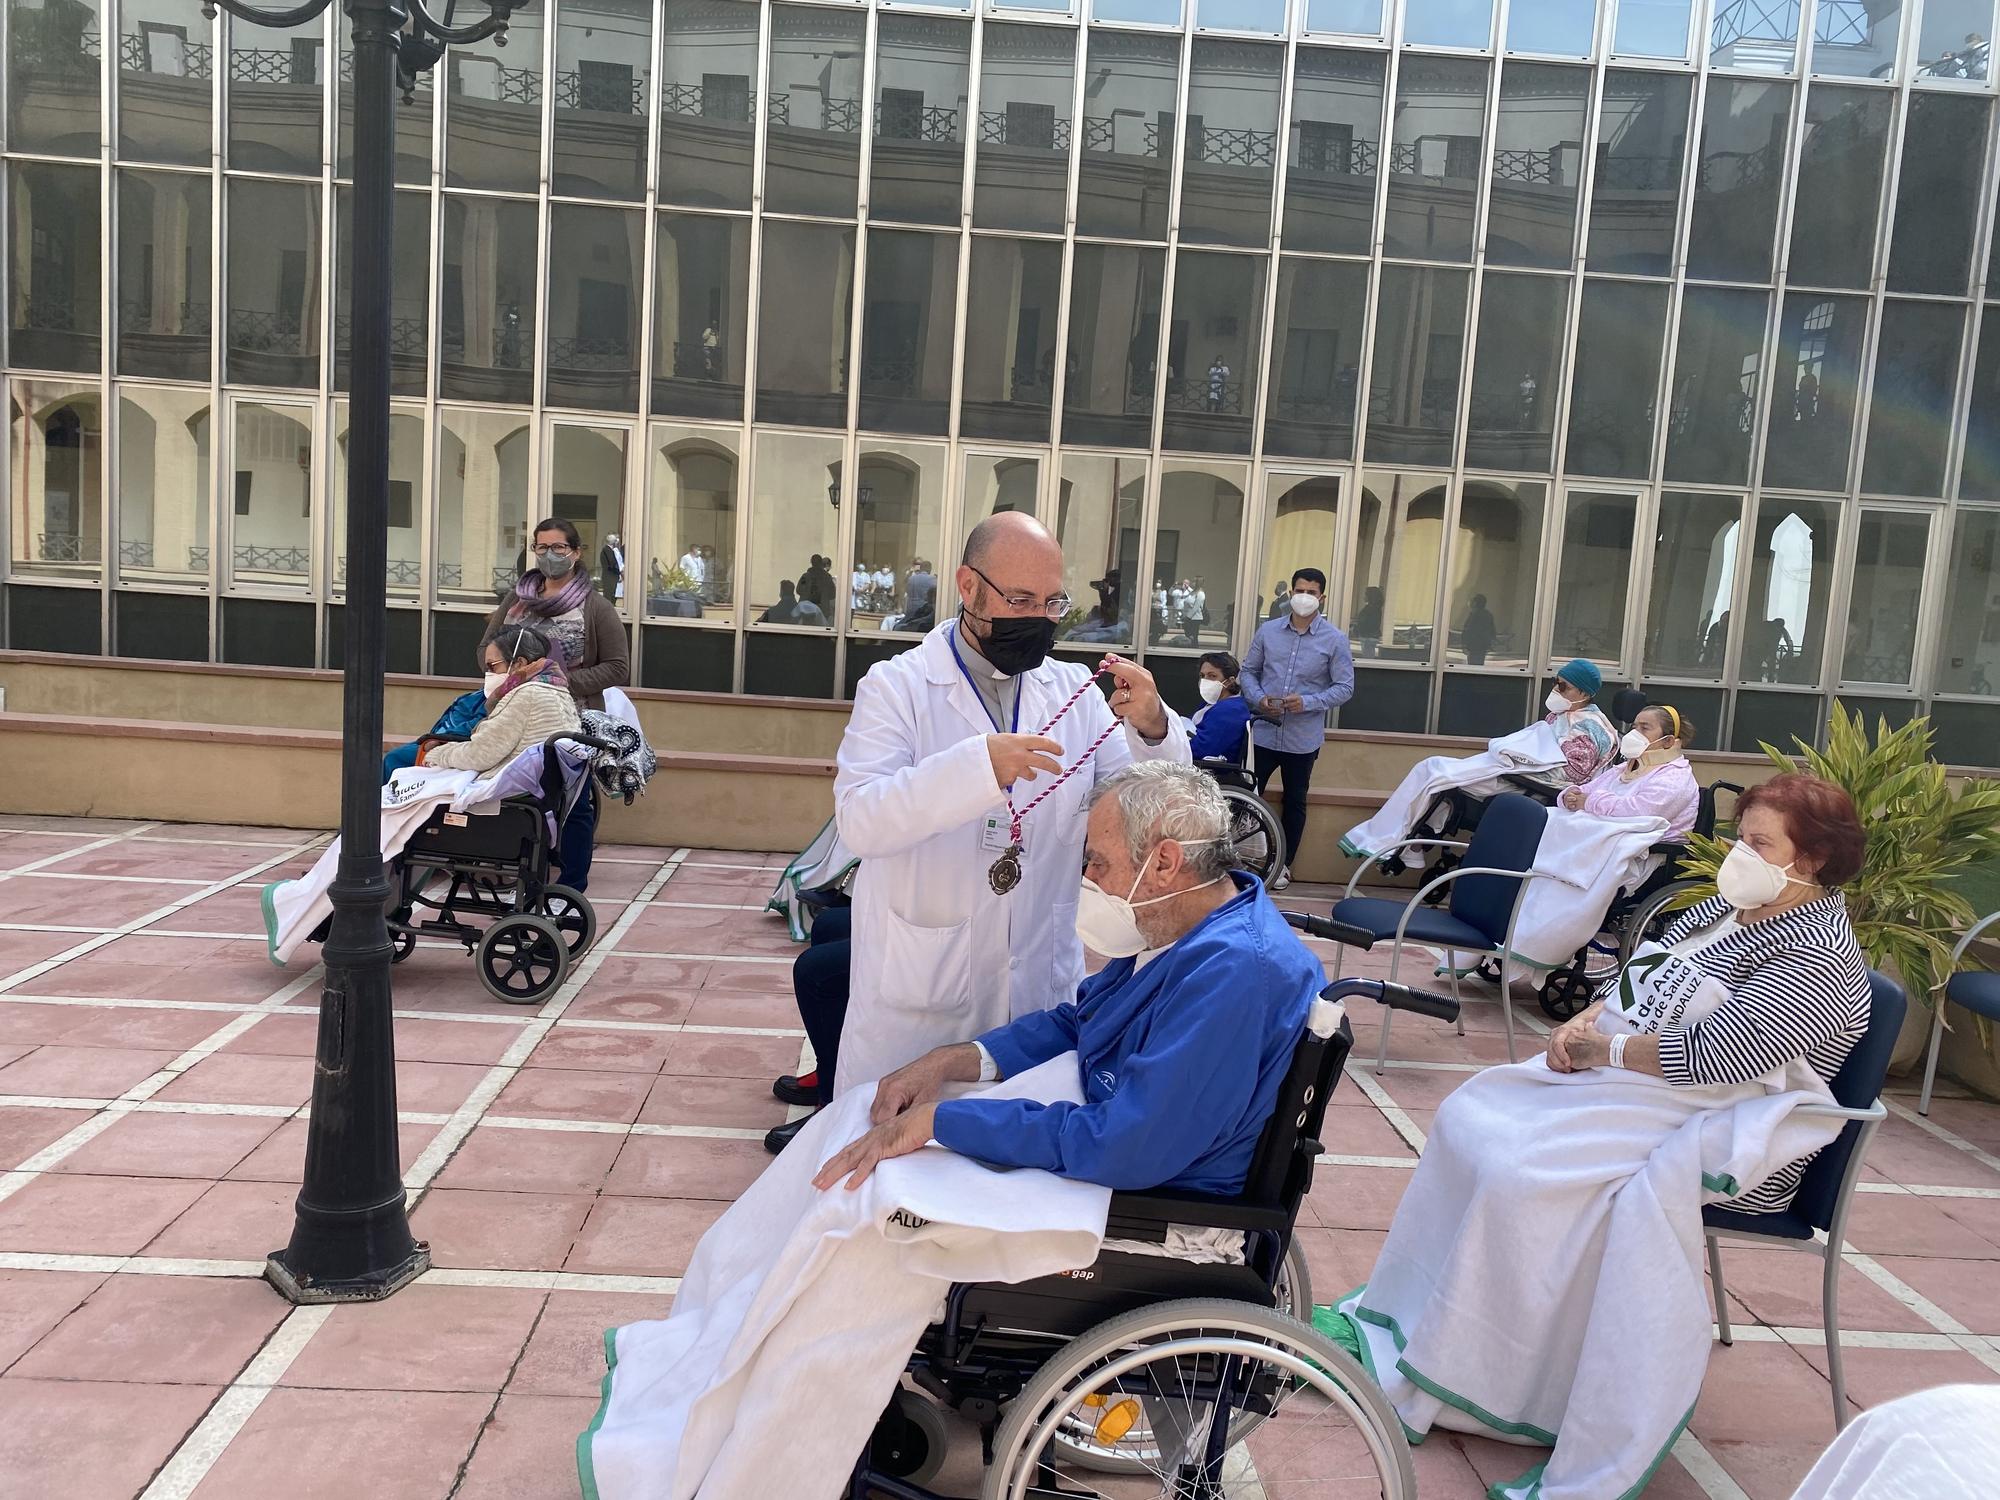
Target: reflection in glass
{"points": [[708, 125], [802, 323], [163, 262], [1316, 358], [407, 495], [1754, 38], [1356, 17], [1397, 547], [1212, 352], [1195, 548], [1563, 28], [409, 292], [690, 569], [486, 302], [1434, 151], [482, 510], [813, 151], [1857, 41], [595, 255], [1652, 28], [1791, 572], [1614, 388], [1027, 78], [1150, 12], [53, 78], [1937, 194], [1715, 385], [906, 329], [1815, 383], [1232, 142], [1968, 659], [56, 461], [270, 517], [1537, 165], [1840, 186], [1516, 365], [1448, 23], [55, 246], [1635, 197], [1099, 501], [1267, 16], [1010, 338], [1114, 336], [1694, 582], [1909, 411], [1496, 553], [1979, 478], [923, 72], [1301, 530], [1886, 588], [493, 109], [1336, 140], [274, 283], [794, 524], [1593, 576], [277, 89], [413, 119], [1954, 38], [587, 472], [1737, 178], [1419, 341], [898, 516], [1128, 134], [994, 483], [166, 71], [701, 315], [163, 485], [600, 99]]}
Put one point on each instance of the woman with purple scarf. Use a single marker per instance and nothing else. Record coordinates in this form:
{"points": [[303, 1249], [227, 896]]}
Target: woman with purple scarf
{"points": [[590, 643]]}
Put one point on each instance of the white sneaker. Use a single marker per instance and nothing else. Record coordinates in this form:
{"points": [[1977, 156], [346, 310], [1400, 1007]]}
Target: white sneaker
{"points": [[1284, 879]]}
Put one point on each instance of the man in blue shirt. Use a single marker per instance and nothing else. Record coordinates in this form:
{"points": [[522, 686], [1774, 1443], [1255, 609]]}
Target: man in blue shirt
{"points": [[1299, 666], [1182, 1040]]}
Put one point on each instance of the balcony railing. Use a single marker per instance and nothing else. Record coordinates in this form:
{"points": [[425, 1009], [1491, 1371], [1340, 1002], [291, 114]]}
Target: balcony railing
{"points": [[509, 85], [1354, 158], [613, 354], [65, 547], [269, 332], [55, 312], [997, 128], [275, 65], [264, 559], [927, 122], [694, 360], [137, 316], [513, 347], [1214, 146], [1201, 394], [725, 106], [135, 554], [620, 95], [403, 572], [196, 60], [409, 337], [1639, 174], [889, 377]]}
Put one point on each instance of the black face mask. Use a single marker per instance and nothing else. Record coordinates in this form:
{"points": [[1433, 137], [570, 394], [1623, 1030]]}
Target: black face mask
{"points": [[1018, 643]]}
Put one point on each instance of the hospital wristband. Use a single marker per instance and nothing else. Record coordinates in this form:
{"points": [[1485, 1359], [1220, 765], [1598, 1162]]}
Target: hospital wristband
{"points": [[989, 1070], [1618, 1050]]}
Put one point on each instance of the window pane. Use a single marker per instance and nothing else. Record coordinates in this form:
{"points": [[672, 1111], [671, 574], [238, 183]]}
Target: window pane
{"points": [[1952, 39], [163, 265], [1791, 571], [486, 305], [493, 110], [1737, 180], [56, 448], [277, 86], [1909, 413], [270, 517], [587, 469], [1232, 142], [708, 120], [407, 492], [55, 245], [163, 485], [1027, 82], [1301, 530], [993, 483], [1316, 358], [691, 528], [1537, 165], [1937, 194], [1652, 28], [1562, 27], [1098, 507], [1010, 338], [802, 324], [898, 516], [1516, 367], [1212, 352], [1615, 385], [1128, 129], [1194, 555], [1969, 644], [1694, 579], [1435, 146], [1396, 555], [1336, 140], [1359, 17], [1980, 477], [1715, 385], [1840, 186], [1151, 12], [1755, 38], [482, 511], [1242, 15], [701, 315], [1114, 333], [413, 120], [1593, 576], [52, 76], [274, 283], [1816, 382], [600, 99], [813, 153], [1496, 554], [594, 289], [906, 330], [409, 292], [1888, 585], [166, 69], [1857, 40], [923, 70], [1635, 197], [794, 523], [1448, 23], [1419, 344]]}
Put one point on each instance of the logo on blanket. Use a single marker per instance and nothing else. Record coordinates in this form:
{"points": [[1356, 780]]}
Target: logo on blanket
{"points": [[902, 1218], [1655, 990]]}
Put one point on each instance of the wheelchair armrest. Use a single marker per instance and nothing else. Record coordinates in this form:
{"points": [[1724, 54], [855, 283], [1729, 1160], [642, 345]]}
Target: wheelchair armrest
{"points": [[1145, 1216], [1541, 791]]}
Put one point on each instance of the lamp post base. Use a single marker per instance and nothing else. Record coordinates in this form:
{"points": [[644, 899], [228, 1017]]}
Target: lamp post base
{"points": [[371, 1286]]}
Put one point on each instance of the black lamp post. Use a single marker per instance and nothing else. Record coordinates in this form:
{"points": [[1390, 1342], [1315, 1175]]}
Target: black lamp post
{"points": [[351, 1240]]}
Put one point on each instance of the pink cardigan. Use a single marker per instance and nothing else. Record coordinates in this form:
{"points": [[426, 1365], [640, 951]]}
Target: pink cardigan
{"points": [[1667, 791]]}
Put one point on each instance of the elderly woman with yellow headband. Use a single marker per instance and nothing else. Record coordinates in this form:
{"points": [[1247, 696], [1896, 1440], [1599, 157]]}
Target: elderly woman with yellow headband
{"points": [[1653, 780]]}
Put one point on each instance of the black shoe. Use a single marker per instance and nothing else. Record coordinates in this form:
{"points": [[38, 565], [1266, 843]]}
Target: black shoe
{"points": [[780, 1136], [798, 1088]]}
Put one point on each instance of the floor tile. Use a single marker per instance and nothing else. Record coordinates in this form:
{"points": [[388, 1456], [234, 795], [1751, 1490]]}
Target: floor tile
{"points": [[574, 1094], [242, 1078], [617, 1051], [86, 1441], [702, 1055], [527, 1450], [1339, 1260], [282, 1157], [1891, 1224], [532, 1161], [737, 1008], [162, 1330], [1980, 1215], [149, 1027], [686, 1167], [425, 1338], [60, 1071], [231, 1221], [185, 861], [499, 1231], [565, 1354], [1900, 1152], [1968, 1290], [1878, 1375], [641, 1236], [1768, 1470], [1763, 1393], [1357, 1197], [746, 1103], [301, 1444], [33, 899], [33, 1302], [19, 950], [1782, 1288], [24, 1021], [25, 1131], [435, 1088], [638, 989], [167, 1145], [62, 1215]]}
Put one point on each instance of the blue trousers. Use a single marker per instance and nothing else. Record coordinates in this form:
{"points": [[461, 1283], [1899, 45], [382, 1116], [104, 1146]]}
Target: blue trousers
{"points": [[579, 839], [819, 979]]}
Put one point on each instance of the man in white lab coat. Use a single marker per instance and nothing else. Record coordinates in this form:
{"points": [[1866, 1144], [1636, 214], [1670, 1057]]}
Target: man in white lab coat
{"points": [[960, 925]]}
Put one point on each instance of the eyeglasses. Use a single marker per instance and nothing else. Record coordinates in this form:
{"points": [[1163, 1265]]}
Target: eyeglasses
{"points": [[559, 548], [1055, 606]]}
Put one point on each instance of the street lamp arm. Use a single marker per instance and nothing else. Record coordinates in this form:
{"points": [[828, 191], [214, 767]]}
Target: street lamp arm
{"points": [[298, 15], [459, 36]]}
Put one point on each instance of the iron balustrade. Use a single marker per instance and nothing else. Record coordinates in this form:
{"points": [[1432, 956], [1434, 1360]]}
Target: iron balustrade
{"points": [[1045, 133], [1197, 393], [256, 330], [724, 105], [916, 122], [510, 85], [408, 337], [135, 55], [695, 360], [144, 315], [254, 559], [624, 94], [65, 547], [1217, 146], [584, 353], [1316, 153]]}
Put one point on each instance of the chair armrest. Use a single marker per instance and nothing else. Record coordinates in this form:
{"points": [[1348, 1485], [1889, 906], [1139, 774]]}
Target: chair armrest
{"points": [[1381, 854], [1525, 784], [1876, 1111], [1971, 933], [1146, 1215]]}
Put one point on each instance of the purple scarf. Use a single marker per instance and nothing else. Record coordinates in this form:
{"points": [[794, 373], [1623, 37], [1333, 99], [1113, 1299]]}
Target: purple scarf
{"points": [[532, 596], [550, 672]]}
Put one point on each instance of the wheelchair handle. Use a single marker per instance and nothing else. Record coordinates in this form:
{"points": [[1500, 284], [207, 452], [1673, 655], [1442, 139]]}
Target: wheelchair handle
{"points": [[1395, 996], [578, 737], [1330, 930]]}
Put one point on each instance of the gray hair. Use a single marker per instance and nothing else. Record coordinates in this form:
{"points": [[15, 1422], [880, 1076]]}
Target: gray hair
{"points": [[1162, 800]]}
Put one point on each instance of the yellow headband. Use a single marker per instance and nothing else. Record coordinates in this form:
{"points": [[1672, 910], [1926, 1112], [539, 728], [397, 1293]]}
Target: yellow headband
{"points": [[1673, 717]]}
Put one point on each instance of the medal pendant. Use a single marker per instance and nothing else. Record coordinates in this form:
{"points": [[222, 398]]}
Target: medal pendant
{"points": [[1006, 871]]}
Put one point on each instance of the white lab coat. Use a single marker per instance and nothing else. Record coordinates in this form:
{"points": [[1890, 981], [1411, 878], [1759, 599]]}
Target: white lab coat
{"points": [[937, 956]]}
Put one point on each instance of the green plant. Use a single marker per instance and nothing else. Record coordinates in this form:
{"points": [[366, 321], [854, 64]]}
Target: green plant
{"points": [[1906, 904]]}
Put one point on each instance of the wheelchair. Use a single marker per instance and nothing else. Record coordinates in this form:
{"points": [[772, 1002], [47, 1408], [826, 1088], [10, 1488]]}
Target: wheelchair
{"points": [[1143, 1375], [1255, 833]]}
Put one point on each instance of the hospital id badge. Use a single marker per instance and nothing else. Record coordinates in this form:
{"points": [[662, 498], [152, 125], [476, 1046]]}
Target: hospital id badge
{"points": [[996, 834]]}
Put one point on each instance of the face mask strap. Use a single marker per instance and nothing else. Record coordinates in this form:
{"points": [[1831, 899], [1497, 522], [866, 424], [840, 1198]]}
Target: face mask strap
{"points": [[1147, 863]]}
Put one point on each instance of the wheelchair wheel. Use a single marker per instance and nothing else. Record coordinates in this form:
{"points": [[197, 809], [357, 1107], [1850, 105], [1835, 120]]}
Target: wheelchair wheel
{"points": [[574, 916], [522, 959], [402, 943], [1566, 992], [1649, 918], [1183, 1366], [1256, 834], [909, 1441]]}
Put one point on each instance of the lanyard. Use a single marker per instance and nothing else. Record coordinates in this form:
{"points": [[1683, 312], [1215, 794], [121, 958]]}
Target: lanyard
{"points": [[952, 639]]}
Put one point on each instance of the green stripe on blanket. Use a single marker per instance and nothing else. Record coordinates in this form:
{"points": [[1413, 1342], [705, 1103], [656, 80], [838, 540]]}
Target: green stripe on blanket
{"points": [[586, 1470]]}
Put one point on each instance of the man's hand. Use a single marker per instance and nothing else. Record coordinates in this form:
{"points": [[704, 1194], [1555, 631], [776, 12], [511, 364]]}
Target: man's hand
{"points": [[923, 1081], [1136, 698], [906, 1133], [1021, 757], [1272, 704], [1292, 703]]}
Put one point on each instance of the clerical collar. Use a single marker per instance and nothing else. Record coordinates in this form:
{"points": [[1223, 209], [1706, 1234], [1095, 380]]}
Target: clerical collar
{"points": [[969, 648]]}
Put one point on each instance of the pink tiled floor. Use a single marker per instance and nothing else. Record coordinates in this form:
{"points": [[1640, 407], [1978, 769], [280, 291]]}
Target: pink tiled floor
{"points": [[598, 1146]]}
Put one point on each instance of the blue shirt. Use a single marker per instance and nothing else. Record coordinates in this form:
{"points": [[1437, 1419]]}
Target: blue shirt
{"points": [[1181, 1060], [1219, 732], [1315, 663]]}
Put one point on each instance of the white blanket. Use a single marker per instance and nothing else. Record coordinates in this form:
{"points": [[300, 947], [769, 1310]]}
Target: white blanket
{"points": [[1535, 748], [1542, 1281], [1926, 1446], [800, 1308], [825, 861]]}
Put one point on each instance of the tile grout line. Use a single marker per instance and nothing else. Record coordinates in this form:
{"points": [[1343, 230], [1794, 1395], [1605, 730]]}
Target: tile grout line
{"points": [[1949, 1137], [1389, 1108], [1704, 1469], [33, 866], [1985, 1350]]}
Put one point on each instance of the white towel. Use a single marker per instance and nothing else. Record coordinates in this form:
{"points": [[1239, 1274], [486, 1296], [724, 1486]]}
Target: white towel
{"points": [[1926, 1446], [825, 861], [800, 1308], [1535, 748]]}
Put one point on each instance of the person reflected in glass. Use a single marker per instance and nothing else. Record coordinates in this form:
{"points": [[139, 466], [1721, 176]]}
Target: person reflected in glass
{"points": [[1478, 632], [1367, 625], [791, 609], [815, 585], [1281, 601]]}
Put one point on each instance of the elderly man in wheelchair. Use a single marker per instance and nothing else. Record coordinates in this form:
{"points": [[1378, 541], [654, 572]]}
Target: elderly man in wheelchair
{"points": [[1097, 1270]]}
